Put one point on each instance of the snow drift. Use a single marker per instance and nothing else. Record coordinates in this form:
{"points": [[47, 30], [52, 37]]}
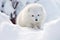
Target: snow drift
{"points": [[52, 30], [3, 17], [10, 31]]}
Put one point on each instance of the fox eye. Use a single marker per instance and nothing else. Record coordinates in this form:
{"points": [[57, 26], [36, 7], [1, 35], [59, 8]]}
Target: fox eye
{"points": [[38, 15], [32, 15]]}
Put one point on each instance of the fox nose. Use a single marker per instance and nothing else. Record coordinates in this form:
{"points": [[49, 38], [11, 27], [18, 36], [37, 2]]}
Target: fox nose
{"points": [[36, 19]]}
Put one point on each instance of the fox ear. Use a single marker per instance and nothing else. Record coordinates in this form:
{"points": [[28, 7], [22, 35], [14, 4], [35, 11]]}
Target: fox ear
{"points": [[30, 10]]}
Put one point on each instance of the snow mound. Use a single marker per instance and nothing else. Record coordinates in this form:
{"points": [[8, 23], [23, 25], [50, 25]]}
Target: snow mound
{"points": [[52, 30], [9, 31], [3, 17]]}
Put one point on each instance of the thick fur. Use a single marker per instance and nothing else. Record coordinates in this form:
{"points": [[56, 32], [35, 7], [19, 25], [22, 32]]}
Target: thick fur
{"points": [[26, 18]]}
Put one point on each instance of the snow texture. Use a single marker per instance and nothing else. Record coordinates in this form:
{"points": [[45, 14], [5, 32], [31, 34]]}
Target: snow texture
{"points": [[9, 31], [52, 30], [4, 17]]}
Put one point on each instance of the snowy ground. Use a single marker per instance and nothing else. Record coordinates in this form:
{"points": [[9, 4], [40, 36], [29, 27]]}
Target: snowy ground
{"points": [[51, 31], [9, 31]]}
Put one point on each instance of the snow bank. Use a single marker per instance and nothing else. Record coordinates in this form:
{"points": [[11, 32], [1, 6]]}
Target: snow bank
{"points": [[28, 34], [9, 31], [52, 30], [3, 17]]}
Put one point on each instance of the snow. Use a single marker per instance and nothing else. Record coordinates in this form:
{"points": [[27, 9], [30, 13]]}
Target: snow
{"points": [[51, 31], [9, 31], [52, 9], [8, 9], [4, 17], [0, 4], [19, 7]]}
